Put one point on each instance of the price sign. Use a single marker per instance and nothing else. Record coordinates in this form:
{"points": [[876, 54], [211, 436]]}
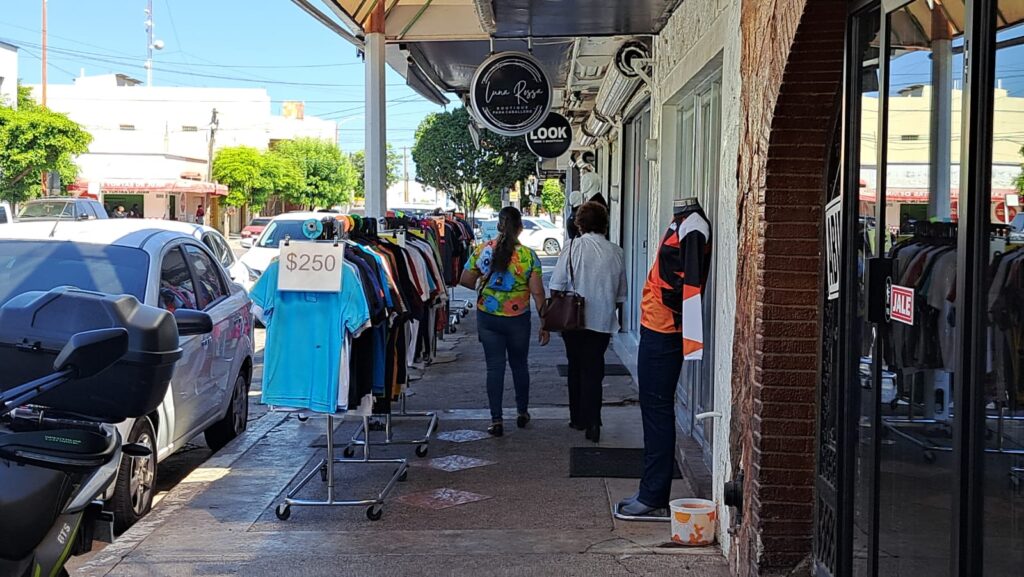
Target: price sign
{"points": [[439, 221], [310, 267]]}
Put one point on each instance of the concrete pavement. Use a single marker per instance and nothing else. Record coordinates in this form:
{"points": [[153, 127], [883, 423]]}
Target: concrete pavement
{"points": [[531, 519]]}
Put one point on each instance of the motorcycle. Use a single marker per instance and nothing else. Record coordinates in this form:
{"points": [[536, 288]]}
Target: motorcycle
{"points": [[59, 449]]}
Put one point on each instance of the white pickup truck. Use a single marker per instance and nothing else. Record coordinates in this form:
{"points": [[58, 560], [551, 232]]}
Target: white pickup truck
{"points": [[6, 214]]}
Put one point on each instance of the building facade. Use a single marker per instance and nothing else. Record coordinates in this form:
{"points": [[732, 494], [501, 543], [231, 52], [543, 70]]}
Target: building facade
{"points": [[8, 74], [152, 145]]}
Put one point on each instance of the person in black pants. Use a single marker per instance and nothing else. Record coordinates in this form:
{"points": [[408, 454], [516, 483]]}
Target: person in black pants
{"points": [[594, 268]]}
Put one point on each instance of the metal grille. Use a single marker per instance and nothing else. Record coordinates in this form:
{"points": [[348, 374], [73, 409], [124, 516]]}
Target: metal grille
{"points": [[825, 544], [827, 397]]}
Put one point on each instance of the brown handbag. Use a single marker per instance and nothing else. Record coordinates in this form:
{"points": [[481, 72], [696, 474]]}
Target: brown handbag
{"points": [[564, 311]]}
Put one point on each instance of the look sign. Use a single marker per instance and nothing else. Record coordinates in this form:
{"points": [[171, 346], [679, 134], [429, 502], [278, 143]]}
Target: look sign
{"points": [[552, 138]]}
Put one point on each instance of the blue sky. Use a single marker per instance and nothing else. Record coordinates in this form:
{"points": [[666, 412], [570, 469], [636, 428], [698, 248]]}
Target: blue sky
{"points": [[222, 43]]}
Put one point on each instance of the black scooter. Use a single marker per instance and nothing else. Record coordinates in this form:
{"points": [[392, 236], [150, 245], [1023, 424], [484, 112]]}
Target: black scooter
{"points": [[55, 463]]}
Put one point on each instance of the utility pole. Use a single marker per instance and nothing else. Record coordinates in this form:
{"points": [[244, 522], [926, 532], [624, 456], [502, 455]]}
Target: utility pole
{"points": [[405, 170], [151, 43], [213, 207], [44, 54]]}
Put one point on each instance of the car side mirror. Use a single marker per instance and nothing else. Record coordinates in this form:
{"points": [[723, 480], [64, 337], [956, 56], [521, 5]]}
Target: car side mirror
{"points": [[90, 352], [247, 242], [192, 322]]}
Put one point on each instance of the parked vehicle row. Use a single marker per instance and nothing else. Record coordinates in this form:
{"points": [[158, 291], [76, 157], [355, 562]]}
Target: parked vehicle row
{"points": [[168, 265]]}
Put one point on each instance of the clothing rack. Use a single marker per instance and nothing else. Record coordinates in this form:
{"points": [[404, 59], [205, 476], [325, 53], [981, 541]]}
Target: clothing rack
{"points": [[325, 468], [361, 438]]}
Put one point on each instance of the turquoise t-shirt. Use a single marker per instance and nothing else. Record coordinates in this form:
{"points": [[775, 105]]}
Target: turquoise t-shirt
{"points": [[305, 337]]}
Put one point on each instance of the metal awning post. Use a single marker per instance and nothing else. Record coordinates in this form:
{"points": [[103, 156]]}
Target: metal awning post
{"points": [[376, 121]]}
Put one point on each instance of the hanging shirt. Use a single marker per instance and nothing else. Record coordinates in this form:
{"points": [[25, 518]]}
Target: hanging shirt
{"points": [[507, 293], [671, 301], [306, 339]]}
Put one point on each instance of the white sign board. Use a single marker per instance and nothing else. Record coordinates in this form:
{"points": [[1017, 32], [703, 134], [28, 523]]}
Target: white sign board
{"points": [[310, 267], [833, 244]]}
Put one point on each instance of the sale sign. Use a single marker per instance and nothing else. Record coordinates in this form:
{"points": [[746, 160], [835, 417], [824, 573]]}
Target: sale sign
{"points": [[901, 304]]}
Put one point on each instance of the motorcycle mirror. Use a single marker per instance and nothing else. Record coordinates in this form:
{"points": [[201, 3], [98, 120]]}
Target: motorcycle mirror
{"points": [[136, 450], [90, 352], [192, 322]]}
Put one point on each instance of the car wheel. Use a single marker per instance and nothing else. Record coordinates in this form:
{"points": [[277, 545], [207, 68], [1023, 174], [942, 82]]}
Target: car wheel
{"points": [[136, 478], [552, 247], [235, 420]]}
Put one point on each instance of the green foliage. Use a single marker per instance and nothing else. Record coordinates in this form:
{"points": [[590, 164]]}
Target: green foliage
{"points": [[33, 140], [252, 176], [1019, 181], [394, 167], [329, 178], [447, 160], [552, 196]]}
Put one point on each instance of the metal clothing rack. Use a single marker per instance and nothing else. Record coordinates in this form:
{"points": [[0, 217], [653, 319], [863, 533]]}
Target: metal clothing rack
{"points": [[374, 505], [361, 438]]}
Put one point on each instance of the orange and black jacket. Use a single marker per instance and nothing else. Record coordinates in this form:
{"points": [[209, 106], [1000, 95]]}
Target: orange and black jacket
{"points": [[672, 294]]}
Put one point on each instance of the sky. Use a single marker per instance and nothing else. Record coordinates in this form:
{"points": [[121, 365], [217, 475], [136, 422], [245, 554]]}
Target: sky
{"points": [[268, 44]]}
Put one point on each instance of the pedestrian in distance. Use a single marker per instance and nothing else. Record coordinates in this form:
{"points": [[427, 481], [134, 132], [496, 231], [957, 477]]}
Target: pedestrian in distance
{"points": [[119, 212], [593, 268], [135, 211], [200, 214], [506, 275]]}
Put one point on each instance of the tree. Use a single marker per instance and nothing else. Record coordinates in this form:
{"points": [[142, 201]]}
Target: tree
{"points": [[33, 140], [552, 197], [394, 167], [252, 176], [447, 160], [328, 176], [1019, 181]]}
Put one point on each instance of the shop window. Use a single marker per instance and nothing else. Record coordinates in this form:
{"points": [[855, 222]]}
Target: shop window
{"points": [[127, 127]]}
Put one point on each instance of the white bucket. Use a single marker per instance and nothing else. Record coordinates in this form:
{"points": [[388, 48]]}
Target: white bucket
{"points": [[694, 521]]}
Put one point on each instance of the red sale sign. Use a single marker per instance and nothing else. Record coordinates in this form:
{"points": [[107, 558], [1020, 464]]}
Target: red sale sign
{"points": [[901, 304]]}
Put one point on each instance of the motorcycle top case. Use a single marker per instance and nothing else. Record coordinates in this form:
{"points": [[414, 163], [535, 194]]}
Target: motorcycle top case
{"points": [[34, 326]]}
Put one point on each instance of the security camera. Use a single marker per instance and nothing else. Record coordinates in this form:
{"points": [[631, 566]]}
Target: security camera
{"points": [[158, 44]]}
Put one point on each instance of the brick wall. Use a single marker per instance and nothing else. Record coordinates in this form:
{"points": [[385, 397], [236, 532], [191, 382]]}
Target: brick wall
{"points": [[791, 66]]}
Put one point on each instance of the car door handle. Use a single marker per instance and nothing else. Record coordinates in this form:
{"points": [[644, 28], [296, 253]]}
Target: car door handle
{"points": [[207, 340]]}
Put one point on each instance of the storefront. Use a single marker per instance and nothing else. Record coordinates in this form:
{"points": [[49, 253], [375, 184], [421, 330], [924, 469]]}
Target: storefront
{"points": [[920, 449], [169, 199]]}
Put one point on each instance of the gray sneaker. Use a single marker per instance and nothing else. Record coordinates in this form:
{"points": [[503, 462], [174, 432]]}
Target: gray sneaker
{"points": [[633, 507]]}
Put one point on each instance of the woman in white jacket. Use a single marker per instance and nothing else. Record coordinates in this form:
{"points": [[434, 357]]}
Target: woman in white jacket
{"points": [[598, 274]]}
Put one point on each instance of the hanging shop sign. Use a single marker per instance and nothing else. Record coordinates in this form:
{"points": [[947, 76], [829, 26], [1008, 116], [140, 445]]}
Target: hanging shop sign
{"points": [[833, 244], [552, 138], [901, 304], [510, 93]]}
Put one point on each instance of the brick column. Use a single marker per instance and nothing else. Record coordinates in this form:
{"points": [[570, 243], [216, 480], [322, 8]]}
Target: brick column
{"points": [[792, 68]]}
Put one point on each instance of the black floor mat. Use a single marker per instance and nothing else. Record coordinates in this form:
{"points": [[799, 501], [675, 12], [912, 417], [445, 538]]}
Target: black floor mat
{"points": [[610, 370], [608, 462]]}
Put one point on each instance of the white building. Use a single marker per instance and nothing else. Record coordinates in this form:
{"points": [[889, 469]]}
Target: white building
{"points": [[9, 74], [151, 145]]}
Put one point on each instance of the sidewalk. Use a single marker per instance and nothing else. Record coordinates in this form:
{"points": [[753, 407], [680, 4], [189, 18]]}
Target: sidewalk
{"points": [[531, 519]]}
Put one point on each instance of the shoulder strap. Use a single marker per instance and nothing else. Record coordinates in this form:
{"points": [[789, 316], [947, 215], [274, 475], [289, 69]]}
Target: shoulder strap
{"points": [[572, 277]]}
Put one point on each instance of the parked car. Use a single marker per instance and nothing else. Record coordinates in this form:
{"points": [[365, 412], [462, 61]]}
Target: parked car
{"points": [[209, 392], [61, 208], [542, 234], [218, 245], [488, 230], [1017, 228], [265, 248], [255, 226], [6, 215]]}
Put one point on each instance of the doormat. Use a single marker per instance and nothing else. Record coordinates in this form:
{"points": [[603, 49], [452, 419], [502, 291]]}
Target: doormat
{"points": [[609, 371], [609, 462]]}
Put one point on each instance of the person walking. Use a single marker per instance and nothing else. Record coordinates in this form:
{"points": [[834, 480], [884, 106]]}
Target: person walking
{"points": [[595, 269], [506, 275], [200, 214]]}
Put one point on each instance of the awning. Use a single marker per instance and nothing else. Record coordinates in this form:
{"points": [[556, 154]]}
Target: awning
{"points": [[159, 185], [916, 25]]}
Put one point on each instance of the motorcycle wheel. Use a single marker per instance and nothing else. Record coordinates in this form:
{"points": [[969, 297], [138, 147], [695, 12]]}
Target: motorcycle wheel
{"points": [[136, 479]]}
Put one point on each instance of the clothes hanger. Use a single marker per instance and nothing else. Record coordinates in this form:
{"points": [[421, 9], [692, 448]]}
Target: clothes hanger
{"points": [[683, 205]]}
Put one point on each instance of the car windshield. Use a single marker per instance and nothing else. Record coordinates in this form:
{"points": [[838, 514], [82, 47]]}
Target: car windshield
{"points": [[42, 265], [489, 226], [260, 222], [1017, 224], [277, 230], [545, 223], [48, 209]]}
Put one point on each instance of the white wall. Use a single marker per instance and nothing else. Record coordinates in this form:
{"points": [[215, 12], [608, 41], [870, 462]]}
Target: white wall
{"points": [[8, 75]]}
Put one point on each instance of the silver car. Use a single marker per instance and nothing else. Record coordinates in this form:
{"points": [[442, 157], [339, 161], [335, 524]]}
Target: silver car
{"points": [[210, 389]]}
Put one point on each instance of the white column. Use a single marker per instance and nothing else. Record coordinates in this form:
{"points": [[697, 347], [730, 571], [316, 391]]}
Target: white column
{"points": [[941, 133], [376, 127]]}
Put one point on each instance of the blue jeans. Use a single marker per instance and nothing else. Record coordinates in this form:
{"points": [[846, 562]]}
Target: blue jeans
{"points": [[659, 362], [501, 337]]}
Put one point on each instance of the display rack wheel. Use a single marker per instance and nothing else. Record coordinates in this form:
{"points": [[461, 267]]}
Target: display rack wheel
{"points": [[283, 511], [929, 457], [452, 329], [421, 450], [894, 404], [348, 452], [374, 512], [469, 306], [404, 476], [303, 418]]}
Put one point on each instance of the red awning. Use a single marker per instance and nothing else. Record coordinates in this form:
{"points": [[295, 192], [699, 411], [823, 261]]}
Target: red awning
{"points": [[162, 185]]}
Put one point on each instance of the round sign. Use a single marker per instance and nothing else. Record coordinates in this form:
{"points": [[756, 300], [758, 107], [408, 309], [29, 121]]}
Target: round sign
{"points": [[510, 93], [1000, 212], [552, 138]]}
